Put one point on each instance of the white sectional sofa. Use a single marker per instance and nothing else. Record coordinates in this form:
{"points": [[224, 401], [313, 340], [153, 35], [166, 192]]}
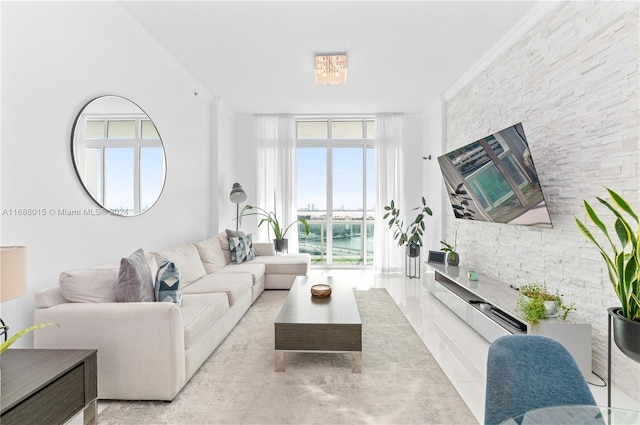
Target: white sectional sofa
{"points": [[150, 350]]}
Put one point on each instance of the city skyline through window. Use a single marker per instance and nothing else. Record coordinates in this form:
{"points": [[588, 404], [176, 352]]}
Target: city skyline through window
{"points": [[335, 180]]}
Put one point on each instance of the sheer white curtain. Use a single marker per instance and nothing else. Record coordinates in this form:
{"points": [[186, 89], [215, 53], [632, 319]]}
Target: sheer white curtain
{"points": [[276, 171], [388, 256]]}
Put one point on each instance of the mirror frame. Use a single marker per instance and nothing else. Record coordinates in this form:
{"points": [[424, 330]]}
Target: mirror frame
{"points": [[78, 125]]}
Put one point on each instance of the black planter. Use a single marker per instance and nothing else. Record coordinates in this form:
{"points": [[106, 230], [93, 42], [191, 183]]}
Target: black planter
{"points": [[281, 245], [453, 261], [413, 251], [626, 334]]}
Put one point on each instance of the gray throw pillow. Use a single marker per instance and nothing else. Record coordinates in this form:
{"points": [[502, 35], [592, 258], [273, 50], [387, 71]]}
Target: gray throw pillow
{"points": [[234, 233], [135, 282]]}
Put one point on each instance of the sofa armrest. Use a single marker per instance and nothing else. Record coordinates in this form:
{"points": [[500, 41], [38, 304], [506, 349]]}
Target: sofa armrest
{"points": [[49, 297], [141, 353], [264, 248]]}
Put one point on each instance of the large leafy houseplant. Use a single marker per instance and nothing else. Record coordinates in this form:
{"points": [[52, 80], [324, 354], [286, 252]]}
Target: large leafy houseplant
{"points": [[622, 259], [271, 218], [412, 233]]}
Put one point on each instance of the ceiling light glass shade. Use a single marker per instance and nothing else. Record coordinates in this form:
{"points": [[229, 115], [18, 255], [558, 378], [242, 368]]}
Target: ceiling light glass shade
{"points": [[331, 70], [237, 195]]}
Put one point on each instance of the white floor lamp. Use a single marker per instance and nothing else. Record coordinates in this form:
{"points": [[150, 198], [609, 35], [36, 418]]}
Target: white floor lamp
{"points": [[237, 196]]}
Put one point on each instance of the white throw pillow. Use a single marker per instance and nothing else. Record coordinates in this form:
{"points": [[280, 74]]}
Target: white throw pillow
{"points": [[187, 260], [211, 254], [96, 285]]}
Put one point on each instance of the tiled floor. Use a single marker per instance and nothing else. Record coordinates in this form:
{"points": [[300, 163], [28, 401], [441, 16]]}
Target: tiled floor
{"points": [[460, 351]]}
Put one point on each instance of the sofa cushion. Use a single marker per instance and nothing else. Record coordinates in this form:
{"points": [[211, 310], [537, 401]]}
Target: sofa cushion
{"points": [[199, 312], [135, 283], [256, 270], [297, 264], [167, 283], [211, 254], [96, 285], [241, 249], [234, 285], [187, 260]]}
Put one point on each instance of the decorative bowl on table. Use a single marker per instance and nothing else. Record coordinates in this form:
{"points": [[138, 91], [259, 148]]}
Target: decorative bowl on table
{"points": [[321, 290]]}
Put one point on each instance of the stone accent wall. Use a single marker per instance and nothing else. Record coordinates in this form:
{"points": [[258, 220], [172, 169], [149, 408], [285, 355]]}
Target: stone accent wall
{"points": [[572, 80]]}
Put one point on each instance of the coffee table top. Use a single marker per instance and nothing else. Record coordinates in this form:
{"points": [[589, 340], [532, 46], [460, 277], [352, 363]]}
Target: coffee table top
{"points": [[301, 307]]}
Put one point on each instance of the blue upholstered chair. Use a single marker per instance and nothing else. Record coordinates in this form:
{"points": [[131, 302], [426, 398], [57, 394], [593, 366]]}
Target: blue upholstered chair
{"points": [[526, 372]]}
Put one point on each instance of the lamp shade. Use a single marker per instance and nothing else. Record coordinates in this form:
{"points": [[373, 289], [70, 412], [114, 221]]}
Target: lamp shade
{"points": [[13, 272], [237, 195]]}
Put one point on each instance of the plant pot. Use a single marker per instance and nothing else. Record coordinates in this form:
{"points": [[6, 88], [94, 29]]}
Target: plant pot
{"points": [[626, 334], [413, 251], [453, 261], [281, 245], [551, 308]]}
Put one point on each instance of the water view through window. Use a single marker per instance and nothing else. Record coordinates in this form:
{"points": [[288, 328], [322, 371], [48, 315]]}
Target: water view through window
{"points": [[335, 191]]}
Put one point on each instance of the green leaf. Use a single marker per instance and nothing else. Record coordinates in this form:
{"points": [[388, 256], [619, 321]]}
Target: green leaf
{"points": [[620, 201], [6, 344]]}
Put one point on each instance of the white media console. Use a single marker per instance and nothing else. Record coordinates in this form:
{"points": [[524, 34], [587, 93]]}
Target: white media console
{"points": [[489, 307]]}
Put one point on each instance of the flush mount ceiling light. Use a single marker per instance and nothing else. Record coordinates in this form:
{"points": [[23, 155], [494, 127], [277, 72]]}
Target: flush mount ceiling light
{"points": [[331, 69]]}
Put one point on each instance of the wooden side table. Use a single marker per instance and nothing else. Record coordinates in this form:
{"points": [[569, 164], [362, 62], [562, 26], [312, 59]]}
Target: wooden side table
{"points": [[48, 386]]}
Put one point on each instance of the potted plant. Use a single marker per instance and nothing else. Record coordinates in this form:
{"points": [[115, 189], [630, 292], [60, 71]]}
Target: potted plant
{"points": [[536, 302], [452, 255], [623, 265], [280, 243], [411, 235]]}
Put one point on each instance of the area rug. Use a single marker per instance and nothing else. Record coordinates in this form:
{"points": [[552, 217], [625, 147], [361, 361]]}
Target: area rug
{"points": [[400, 382]]}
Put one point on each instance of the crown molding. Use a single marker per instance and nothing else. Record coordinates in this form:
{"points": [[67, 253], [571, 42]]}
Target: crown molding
{"points": [[535, 15]]}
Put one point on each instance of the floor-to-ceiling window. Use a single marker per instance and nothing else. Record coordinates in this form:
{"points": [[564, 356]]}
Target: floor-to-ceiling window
{"points": [[335, 189]]}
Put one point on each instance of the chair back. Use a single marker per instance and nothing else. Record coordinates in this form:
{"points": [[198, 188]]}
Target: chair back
{"points": [[526, 372]]}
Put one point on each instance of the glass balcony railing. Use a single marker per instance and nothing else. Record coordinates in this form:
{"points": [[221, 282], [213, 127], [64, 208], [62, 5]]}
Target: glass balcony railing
{"points": [[349, 245]]}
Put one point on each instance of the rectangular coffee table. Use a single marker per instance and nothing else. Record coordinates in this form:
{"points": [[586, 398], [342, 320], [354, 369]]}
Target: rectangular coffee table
{"points": [[326, 325]]}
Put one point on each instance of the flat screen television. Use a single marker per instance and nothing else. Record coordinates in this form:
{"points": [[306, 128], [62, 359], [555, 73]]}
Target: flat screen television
{"points": [[494, 179]]}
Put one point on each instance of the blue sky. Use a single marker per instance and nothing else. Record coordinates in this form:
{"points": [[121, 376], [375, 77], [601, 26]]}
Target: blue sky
{"points": [[347, 178]]}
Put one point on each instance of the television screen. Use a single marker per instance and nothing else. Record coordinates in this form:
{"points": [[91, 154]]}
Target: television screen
{"points": [[494, 179]]}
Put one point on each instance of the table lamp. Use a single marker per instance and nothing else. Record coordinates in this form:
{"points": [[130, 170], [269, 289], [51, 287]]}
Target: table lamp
{"points": [[13, 276], [237, 196]]}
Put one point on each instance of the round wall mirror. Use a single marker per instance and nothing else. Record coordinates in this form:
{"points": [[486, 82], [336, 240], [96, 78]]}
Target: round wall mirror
{"points": [[118, 155]]}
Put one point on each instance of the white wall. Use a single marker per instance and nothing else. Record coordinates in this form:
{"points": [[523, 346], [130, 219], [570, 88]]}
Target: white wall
{"points": [[573, 82], [227, 171], [433, 140], [56, 56]]}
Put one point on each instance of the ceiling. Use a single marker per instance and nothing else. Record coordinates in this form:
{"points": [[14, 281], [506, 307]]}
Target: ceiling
{"points": [[258, 56]]}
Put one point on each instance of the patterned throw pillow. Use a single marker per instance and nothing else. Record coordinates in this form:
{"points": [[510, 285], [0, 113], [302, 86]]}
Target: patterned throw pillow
{"points": [[241, 249], [168, 287]]}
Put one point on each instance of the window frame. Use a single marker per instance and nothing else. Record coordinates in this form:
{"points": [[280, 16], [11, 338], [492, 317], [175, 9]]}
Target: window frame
{"points": [[329, 143]]}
